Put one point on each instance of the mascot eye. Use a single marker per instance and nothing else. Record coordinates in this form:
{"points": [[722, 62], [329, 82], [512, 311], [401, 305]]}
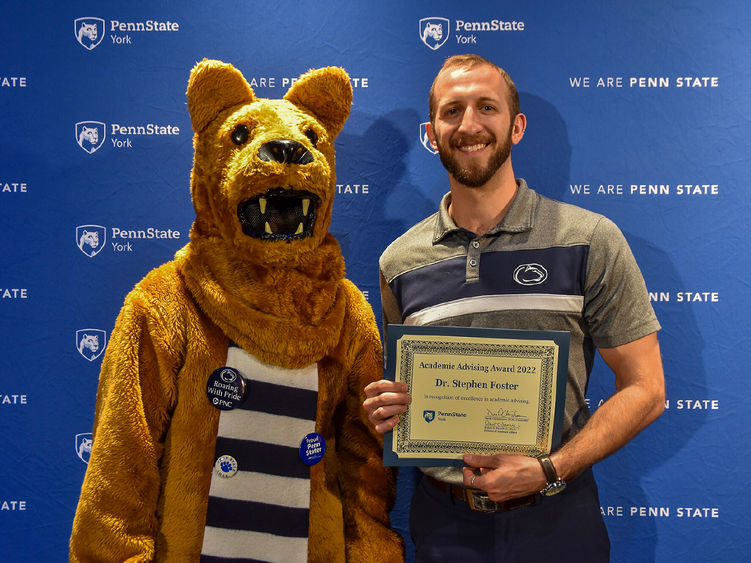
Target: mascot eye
{"points": [[240, 134], [310, 134]]}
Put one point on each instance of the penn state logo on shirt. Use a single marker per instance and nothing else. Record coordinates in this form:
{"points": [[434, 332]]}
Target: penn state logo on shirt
{"points": [[91, 342], [434, 32], [530, 274], [424, 140], [90, 239], [89, 32]]}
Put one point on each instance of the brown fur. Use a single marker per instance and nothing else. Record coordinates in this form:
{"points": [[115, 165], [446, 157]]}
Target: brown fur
{"points": [[146, 489]]}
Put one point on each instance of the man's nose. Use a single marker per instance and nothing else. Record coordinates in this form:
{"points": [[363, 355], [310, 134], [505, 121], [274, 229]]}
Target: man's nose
{"points": [[470, 123]]}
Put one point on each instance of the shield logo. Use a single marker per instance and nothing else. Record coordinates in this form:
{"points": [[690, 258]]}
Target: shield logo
{"points": [[429, 416], [83, 446], [89, 32], [434, 32], [91, 342], [90, 135], [424, 140], [91, 239]]}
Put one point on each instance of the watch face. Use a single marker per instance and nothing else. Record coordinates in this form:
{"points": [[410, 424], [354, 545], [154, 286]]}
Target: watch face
{"points": [[553, 488]]}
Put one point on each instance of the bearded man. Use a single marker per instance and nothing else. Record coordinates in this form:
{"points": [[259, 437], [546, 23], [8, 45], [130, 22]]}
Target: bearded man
{"points": [[456, 268]]}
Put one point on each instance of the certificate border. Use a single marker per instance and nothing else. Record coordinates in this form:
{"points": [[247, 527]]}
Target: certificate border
{"points": [[396, 332]]}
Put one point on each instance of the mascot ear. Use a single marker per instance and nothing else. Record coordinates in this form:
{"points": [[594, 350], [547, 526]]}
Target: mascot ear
{"points": [[215, 86], [326, 93]]}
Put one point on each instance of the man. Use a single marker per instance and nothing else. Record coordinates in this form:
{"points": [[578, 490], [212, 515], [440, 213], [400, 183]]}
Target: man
{"points": [[457, 268]]}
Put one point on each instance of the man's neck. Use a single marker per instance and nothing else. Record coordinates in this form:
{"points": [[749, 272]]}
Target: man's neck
{"points": [[480, 209]]}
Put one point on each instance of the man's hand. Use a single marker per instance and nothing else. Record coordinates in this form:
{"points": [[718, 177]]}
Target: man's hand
{"points": [[385, 401], [503, 476]]}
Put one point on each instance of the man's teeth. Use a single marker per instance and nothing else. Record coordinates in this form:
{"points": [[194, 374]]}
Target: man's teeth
{"points": [[473, 148]]}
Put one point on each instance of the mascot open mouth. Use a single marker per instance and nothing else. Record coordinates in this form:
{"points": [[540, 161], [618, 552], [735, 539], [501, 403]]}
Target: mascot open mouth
{"points": [[279, 214]]}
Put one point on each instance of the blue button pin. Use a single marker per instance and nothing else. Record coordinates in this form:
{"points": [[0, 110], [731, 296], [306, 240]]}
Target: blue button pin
{"points": [[226, 388], [312, 448]]}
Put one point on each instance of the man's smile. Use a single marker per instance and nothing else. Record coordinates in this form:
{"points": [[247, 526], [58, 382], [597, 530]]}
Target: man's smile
{"points": [[473, 148]]}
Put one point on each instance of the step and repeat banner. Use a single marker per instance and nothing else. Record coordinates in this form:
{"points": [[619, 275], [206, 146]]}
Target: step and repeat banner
{"points": [[640, 111]]}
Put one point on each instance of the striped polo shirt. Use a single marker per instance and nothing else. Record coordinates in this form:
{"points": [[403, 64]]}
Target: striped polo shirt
{"points": [[547, 265]]}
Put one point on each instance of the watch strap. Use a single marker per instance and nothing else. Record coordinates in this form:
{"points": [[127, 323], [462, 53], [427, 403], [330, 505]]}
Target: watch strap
{"points": [[551, 475]]}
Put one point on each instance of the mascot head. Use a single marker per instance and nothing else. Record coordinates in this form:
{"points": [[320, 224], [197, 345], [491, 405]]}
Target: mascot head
{"points": [[263, 176]]}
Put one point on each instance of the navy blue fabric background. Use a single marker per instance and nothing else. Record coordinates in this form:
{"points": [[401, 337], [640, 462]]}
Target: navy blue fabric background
{"points": [[627, 103]]}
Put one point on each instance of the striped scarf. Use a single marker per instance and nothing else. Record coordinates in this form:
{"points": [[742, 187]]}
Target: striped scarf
{"points": [[261, 512]]}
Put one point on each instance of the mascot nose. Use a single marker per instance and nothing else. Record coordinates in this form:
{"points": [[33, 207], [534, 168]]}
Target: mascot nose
{"points": [[285, 151]]}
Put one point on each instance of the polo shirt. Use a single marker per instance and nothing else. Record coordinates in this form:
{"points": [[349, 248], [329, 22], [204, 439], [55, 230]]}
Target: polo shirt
{"points": [[547, 265]]}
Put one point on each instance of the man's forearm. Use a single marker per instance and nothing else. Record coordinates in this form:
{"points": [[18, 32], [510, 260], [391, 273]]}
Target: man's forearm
{"points": [[637, 402], [615, 423]]}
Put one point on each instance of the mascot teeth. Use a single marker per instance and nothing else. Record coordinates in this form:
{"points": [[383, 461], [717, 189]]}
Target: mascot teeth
{"points": [[279, 214]]}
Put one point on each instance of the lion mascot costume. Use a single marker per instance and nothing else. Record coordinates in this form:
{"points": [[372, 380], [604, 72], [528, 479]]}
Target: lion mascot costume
{"points": [[228, 423]]}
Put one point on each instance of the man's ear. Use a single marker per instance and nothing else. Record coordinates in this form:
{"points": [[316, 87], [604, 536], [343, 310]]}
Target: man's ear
{"points": [[520, 125], [431, 135], [326, 93], [213, 87]]}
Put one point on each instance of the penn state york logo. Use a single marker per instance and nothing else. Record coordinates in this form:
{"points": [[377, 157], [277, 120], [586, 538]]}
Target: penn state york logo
{"points": [[424, 140], [83, 446], [89, 32], [91, 342], [90, 135], [530, 274], [434, 32], [90, 239], [429, 416]]}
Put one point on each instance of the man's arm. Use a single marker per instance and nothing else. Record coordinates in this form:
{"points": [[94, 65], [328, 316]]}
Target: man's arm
{"points": [[639, 399]]}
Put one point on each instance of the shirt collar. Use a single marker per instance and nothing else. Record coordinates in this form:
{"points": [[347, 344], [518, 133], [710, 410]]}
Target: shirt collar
{"points": [[520, 216]]}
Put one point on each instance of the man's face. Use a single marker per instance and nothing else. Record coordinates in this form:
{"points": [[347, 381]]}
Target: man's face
{"points": [[472, 128]]}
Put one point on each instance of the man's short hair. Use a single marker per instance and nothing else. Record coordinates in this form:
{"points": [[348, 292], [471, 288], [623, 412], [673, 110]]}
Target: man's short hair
{"points": [[467, 62]]}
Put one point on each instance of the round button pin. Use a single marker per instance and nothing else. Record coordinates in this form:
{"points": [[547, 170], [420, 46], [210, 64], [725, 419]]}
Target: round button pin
{"points": [[226, 466], [226, 388], [312, 448]]}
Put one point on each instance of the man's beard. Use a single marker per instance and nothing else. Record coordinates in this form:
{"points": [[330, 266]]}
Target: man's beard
{"points": [[475, 176]]}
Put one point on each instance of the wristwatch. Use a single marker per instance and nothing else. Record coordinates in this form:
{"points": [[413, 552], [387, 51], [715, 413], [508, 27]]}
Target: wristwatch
{"points": [[554, 483]]}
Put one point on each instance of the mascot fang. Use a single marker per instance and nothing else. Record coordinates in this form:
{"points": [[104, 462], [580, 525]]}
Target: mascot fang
{"points": [[228, 422]]}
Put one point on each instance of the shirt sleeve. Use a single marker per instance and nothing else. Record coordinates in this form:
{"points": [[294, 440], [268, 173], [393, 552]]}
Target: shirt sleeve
{"points": [[616, 301]]}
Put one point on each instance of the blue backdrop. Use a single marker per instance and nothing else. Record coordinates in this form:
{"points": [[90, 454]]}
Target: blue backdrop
{"points": [[640, 110]]}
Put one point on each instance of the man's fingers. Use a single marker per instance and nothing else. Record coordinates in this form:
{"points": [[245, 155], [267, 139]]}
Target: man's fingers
{"points": [[475, 460], [471, 476], [382, 413], [385, 401], [384, 386], [387, 425]]}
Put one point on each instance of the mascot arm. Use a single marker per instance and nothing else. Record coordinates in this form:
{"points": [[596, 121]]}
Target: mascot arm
{"points": [[116, 517], [368, 488]]}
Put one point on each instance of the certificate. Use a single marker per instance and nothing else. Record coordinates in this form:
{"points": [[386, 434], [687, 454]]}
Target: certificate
{"points": [[475, 390]]}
